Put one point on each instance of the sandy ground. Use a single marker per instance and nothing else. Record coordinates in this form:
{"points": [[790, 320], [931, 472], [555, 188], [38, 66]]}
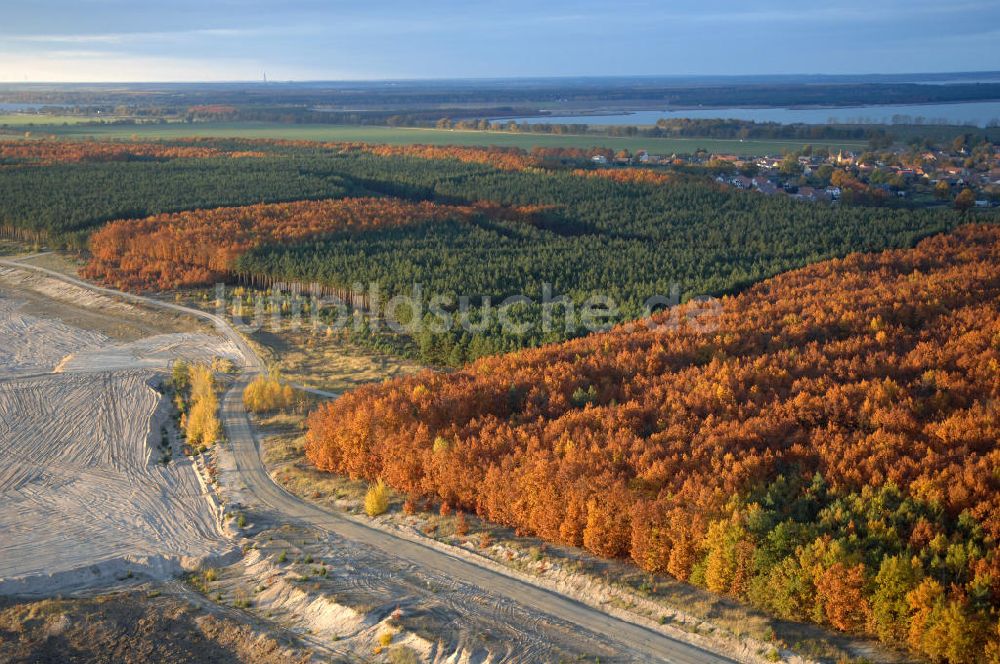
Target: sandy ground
{"points": [[134, 626], [33, 345], [85, 495], [155, 352], [45, 297]]}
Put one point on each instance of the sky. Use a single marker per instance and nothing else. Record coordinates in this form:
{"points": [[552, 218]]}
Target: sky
{"points": [[211, 40]]}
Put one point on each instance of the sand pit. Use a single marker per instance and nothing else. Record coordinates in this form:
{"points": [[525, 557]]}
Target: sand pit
{"points": [[155, 352], [32, 345], [83, 496], [62, 291]]}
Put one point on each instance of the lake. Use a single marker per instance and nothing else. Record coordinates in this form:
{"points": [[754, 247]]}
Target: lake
{"points": [[978, 113], [17, 108]]}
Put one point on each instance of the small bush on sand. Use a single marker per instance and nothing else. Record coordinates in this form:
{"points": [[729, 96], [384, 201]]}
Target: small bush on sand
{"points": [[377, 499], [403, 655]]}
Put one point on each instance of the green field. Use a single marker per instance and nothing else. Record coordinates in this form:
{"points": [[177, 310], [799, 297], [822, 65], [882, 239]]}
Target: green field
{"points": [[407, 135], [30, 120]]}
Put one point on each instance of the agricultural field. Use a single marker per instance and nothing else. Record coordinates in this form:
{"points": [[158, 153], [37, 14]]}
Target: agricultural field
{"points": [[28, 121], [413, 135]]}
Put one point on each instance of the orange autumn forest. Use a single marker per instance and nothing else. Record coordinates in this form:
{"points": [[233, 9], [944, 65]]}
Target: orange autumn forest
{"points": [[829, 453]]}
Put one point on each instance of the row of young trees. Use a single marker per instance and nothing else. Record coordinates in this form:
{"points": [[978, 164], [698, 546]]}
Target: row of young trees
{"points": [[197, 402], [267, 394], [826, 451]]}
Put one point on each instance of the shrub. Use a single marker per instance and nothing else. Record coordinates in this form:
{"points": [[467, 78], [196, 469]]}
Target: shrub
{"points": [[377, 499], [403, 655]]}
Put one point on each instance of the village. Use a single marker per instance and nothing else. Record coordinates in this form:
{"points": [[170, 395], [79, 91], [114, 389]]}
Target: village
{"points": [[963, 175]]}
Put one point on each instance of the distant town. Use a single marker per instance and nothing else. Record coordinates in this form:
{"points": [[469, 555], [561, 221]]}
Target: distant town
{"points": [[962, 175]]}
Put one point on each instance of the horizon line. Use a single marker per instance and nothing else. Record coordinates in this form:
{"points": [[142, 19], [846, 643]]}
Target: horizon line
{"points": [[563, 77]]}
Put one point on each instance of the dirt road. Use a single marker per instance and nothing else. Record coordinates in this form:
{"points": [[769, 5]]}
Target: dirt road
{"points": [[631, 638]]}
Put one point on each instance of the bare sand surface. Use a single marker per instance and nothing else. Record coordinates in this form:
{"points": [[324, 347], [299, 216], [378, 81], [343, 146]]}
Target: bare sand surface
{"points": [[81, 485], [155, 352], [50, 298], [31, 345], [85, 497]]}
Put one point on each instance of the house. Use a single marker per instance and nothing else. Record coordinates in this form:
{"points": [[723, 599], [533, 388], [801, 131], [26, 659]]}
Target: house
{"points": [[806, 194], [742, 182], [982, 204], [812, 194], [599, 159], [833, 192], [764, 186]]}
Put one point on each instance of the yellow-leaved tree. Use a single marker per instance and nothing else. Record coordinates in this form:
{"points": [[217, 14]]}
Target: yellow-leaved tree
{"points": [[202, 422], [267, 394]]}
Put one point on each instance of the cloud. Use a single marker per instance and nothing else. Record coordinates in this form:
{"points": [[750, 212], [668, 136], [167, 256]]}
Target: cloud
{"points": [[133, 37], [442, 38], [102, 66]]}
